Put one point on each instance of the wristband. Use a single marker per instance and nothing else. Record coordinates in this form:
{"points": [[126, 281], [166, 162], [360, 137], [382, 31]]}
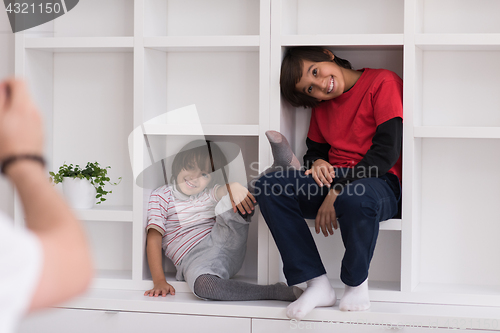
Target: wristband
{"points": [[9, 160]]}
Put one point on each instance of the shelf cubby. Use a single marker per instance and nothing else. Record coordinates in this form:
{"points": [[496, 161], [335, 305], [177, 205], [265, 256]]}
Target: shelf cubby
{"points": [[201, 18], [385, 268], [93, 114], [295, 121], [467, 97], [458, 241], [83, 87], [386, 275], [86, 100], [91, 18], [110, 247], [177, 79], [467, 16], [318, 17], [249, 152]]}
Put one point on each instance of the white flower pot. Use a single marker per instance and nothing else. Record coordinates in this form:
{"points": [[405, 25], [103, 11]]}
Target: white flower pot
{"points": [[79, 193]]}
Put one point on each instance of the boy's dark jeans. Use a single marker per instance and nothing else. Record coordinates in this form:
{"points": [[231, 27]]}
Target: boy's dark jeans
{"points": [[288, 197]]}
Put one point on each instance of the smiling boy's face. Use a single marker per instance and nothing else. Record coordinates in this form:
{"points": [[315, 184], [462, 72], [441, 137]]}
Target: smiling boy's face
{"points": [[321, 80], [191, 180]]}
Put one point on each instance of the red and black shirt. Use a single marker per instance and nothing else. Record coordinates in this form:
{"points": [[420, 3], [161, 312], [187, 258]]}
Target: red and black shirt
{"points": [[360, 129]]}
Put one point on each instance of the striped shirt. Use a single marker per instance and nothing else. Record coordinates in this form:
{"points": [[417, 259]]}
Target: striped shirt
{"points": [[183, 220]]}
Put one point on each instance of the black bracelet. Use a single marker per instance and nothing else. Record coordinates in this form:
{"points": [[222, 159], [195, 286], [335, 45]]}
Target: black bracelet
{"points": [[9, 160]]}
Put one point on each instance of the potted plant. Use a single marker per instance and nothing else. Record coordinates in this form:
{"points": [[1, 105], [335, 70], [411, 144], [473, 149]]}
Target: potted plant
{"points": [[82, 186]]}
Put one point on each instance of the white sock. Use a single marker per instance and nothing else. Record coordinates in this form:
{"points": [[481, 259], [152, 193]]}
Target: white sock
{"points": [[355, 298], [319, 292]]}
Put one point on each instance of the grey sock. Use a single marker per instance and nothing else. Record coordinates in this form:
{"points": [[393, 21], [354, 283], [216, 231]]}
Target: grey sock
{"points": [[284, 158], [282, 152], [214, 288]]}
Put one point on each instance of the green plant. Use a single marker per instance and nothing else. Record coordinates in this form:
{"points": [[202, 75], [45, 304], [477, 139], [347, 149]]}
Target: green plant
{"points": [[93, 172]]}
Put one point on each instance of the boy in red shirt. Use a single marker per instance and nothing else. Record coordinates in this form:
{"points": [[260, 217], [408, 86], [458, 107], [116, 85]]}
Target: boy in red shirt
{"points": [[353, 173]]}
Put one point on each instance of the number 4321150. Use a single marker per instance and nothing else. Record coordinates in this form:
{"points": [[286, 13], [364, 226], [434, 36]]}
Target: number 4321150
{"points": [[25, 8]]}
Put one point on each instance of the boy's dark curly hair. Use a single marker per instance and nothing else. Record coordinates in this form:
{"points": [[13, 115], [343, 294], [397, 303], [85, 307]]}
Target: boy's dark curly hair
{"points": [[197, 153], [291, 72]]}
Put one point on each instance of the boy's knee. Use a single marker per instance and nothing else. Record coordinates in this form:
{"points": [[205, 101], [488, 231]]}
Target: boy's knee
{"points": [[206, 286], [352, 205]]}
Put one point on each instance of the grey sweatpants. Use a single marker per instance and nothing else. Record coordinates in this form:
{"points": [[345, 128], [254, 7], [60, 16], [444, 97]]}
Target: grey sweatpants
{"points": [[221, 253]]}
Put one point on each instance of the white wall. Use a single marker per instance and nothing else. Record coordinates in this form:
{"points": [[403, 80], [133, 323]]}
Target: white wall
{"points": [[6, 69]]}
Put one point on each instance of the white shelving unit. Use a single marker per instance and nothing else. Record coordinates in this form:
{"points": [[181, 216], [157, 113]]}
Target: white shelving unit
{"points": [[448, 151], [96, 82], [99, 74]]}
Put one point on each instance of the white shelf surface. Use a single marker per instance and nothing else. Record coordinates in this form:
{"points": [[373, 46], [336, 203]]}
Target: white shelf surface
{"points": [[392, 224], [457, 132], [112, 279], [343, 40], [187, 303], [113, 274], [378, 289], [122, 279], [187, 129], [458, 42], [81, 44], [203, 43], [457, 288], [107, 213]]}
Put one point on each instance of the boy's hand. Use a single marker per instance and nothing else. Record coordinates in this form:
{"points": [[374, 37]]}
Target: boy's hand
{"points": [[241, 199], [322, 172], [326, 219], [161, 288]]}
